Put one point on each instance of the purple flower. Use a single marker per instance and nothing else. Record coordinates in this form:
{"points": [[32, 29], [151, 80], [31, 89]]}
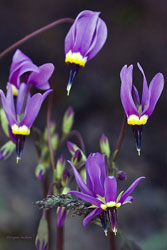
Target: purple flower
{"points": [[84, 40], [101, 191], [24, 70], [137, 111], [22, 116]]}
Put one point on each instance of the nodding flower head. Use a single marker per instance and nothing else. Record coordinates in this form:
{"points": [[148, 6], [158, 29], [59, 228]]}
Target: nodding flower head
{"points": [[24, 70], [84, 40], [22, 115], [101, 192], [137, 111]]}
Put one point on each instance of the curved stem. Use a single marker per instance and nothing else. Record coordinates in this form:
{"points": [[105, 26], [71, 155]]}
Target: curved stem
{"points": [[33, 34], [48, 128], [120, 139], [68, 136]]}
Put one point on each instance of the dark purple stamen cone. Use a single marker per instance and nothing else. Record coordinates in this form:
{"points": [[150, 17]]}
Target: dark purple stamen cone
{"points": [[137, 131], [103, 218], [73, 72], [113, 219], [20, 139]]}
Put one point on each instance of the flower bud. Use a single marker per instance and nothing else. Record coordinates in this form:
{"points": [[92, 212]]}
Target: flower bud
{"points": [[65, 190], [77, 158], [68, 120], [65, 179], [55, 141], [73, 148], [121, 175], [40, 171], [61, 163], [4, 122], [104, 145], [52, 130], [6, 150], [41, 240]]}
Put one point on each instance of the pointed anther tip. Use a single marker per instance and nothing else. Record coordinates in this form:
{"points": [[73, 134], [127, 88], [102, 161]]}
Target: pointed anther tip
{"points": [[18, 159], [114, 231], [105, 232], [138, 151], [68, 89]]}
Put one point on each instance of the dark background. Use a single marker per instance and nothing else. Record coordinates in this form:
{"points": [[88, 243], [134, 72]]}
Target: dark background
{"points": [[136, 33]]}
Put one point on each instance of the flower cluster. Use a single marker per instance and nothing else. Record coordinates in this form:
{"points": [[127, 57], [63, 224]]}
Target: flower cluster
{"points": [[96, 176], [100, 191], [21, 109]]}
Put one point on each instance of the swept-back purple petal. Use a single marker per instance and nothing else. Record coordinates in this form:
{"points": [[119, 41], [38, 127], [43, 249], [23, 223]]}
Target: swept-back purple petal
{"points": [[155, 89], [32, 108], [81, 184], [10, 98], [18, 58], [99, 39], [97, 158], [20, 98], [95, 171], [86, 197], [24, 67], [110, 189], [40, 79], [145, 87], [85, 26], [7, 108], [92, 215], [135, 96], [126, 91], [130, 189], [69, 40]]}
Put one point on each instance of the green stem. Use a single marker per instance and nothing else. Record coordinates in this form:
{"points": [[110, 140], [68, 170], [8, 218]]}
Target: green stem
{"points": [[34, 34], [68, 136]]}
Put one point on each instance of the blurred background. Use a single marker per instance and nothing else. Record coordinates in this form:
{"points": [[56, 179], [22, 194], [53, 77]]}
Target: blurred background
{"points": [[136, 33]]}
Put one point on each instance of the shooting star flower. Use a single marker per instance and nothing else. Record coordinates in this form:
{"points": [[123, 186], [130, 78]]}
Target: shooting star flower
{"points": [[101, 192], [138, 112], [22, 116], [84, 40]]}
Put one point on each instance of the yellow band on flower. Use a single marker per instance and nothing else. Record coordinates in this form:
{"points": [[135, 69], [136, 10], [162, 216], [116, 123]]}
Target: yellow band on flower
{"points": [[76, 58], [136, 120], [23, 130], [110, 204]]}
